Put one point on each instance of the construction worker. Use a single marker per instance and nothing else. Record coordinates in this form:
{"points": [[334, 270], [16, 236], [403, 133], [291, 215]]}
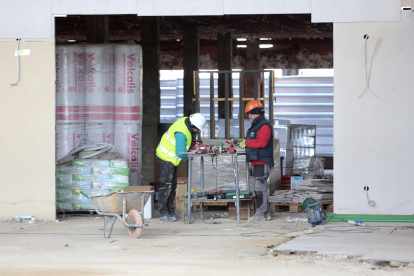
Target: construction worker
{"points": [[259, 152], [176, 139]]}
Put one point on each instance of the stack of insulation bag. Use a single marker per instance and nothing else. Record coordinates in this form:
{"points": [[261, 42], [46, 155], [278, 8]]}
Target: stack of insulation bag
{"points": [[92, 176], [99, 96]]}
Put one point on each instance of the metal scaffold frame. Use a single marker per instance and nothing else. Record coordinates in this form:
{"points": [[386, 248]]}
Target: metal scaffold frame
{"points": [[227, 99]]}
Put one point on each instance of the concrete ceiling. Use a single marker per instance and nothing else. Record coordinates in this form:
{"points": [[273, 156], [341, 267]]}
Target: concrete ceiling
{"points": [[297, 43]]}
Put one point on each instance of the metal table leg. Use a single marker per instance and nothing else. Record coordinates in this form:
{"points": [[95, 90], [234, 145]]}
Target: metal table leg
{"points": [[190, 160], [248, 187], [201, 185], [237, 189]]}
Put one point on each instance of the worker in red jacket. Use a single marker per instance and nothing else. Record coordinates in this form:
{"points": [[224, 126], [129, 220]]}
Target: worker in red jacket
{"points": [[259, 152]]}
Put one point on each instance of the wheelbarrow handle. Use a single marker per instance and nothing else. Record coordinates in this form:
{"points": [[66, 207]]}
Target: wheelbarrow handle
{"points": [[82, 193]]}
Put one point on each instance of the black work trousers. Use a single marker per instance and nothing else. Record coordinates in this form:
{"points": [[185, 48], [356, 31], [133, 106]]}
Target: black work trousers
{"points": [[168, 186]]}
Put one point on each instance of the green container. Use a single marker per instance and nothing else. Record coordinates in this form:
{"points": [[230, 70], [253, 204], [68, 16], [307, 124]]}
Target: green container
{"points": [[309, 203], [240, 193]]}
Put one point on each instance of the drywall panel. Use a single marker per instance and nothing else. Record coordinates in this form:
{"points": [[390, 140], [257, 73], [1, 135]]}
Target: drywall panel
{"points": [[26, 19], [267, 6], [374, 133], [179, 7], [27, 123], [355, 10], [94, 7]]}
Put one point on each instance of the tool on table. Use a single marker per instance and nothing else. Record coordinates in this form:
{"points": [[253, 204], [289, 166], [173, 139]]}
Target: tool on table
{"points": [[220, 147], [196, 140], [219, 195], [232, 148]]}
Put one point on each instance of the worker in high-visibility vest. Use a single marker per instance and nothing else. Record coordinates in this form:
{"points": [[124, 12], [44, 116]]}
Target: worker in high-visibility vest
{"points": [[176, 139], [259, 152]]}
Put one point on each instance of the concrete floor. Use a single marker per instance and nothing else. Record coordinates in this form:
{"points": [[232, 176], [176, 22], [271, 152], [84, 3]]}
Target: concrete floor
{"points": [[377, 242], [215, 246]]}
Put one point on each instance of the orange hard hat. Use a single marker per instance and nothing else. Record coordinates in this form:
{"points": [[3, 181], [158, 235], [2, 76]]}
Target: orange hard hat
{"points": [[256, 105]]}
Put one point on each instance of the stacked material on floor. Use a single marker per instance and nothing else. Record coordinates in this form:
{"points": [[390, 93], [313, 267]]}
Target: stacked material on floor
{"points": [[92, 176], [99, 96], [319, 189], [308, 166]]}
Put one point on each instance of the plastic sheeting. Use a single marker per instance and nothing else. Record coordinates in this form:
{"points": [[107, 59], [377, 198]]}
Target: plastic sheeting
{"points": [[226, 170], [308, 166], [275, 178], [66, 137], [225, 173], [128, 143], [93, 84], [103, 132], [70, 84], [128, 75], [99, 95]]}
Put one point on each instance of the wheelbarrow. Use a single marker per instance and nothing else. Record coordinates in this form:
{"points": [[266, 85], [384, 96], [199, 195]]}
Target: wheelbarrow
{"points": [[117, 205]]}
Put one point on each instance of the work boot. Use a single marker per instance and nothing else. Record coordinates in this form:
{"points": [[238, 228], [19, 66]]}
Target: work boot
{"points": [[167, 217], [267, 216], [257, 218], [175, 215]]}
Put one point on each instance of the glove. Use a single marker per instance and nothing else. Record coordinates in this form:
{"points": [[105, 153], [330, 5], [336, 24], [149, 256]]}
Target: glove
{"points": [[241, 143]]}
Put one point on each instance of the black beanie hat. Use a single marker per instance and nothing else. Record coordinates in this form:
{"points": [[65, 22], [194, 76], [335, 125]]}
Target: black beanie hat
{"points": [[256, 110]]}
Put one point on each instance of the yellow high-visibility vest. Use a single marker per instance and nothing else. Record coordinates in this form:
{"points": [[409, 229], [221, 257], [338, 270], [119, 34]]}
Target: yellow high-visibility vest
{"points": [[166, 147]]}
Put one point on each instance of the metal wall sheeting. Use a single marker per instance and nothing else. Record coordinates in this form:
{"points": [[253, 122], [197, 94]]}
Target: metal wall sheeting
{"points": [[301, 99]]}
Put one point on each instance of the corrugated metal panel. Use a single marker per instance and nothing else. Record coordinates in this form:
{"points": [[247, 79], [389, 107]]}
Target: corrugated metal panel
{"points": [[307, 101], [302, 100]]}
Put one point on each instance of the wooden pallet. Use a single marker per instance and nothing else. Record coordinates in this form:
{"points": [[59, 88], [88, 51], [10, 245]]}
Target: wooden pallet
{"points": [[282, 206], [294, 207]]}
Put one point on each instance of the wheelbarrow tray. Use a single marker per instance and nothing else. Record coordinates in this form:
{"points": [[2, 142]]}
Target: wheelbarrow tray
{"points": [[112, 203]]}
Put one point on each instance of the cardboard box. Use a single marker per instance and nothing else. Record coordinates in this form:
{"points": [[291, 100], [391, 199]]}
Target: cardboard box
{"points": [[139, 188], [243, 213], [179, 193], [243, 204], [243, 209], [295, 182]]}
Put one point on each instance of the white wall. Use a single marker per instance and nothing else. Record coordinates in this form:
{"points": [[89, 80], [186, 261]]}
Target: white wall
{"points": [[374, 136], [27, 135]]}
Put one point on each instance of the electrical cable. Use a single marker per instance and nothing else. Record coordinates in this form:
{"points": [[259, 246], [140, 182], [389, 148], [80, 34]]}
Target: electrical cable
{"points": [[328, 218], [365, 66], [63, 216], [370, 202], [18, 63], [100, 147]]}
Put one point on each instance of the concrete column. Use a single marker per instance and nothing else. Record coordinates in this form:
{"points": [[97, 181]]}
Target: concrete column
{"points": [[97, 29], [252, 63], [191, 45], [151, 95], [224, 60]]}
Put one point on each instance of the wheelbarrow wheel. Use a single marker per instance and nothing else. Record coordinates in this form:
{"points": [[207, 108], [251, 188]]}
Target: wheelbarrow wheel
{"points": [[134, 217]]}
